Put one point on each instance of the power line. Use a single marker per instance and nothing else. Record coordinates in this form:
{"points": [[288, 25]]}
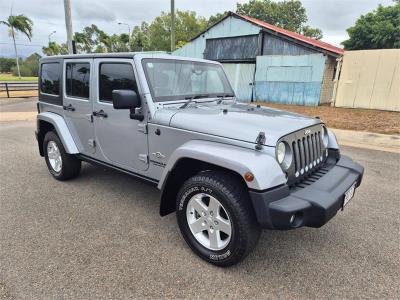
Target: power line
{"points": [[29, 45]]}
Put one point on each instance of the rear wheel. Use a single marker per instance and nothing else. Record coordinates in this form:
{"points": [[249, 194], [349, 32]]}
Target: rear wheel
{"points": [[62, 166], [216, 219]]}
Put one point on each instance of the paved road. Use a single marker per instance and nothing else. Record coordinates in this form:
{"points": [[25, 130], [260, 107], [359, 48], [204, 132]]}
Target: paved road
{"points": [[100, 236], [18, 104]]}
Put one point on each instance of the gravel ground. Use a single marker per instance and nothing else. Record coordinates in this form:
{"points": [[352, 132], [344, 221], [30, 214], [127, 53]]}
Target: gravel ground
{"points": [[100, 236], [371, 120]]}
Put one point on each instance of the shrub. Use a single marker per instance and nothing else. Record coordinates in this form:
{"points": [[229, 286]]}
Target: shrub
{"points": [[6, 64], [28, 67]]}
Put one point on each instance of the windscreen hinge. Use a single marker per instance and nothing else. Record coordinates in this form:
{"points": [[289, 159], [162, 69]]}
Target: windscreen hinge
{"points": [[142, 128], [144, 158]]}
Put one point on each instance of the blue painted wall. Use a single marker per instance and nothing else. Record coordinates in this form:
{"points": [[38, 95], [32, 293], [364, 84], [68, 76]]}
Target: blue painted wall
{"points": [[230, 27], [289, 79]]}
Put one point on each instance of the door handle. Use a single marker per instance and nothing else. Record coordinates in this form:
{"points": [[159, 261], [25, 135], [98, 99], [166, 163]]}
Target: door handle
{"points": [[69, 107], [101, 113]]}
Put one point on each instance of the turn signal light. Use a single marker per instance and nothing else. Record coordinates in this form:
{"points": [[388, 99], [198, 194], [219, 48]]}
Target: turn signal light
{"points": [[249, 176]]}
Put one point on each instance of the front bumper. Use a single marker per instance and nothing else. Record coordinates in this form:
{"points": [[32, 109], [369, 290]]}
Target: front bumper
{"points": [[312, 206]]}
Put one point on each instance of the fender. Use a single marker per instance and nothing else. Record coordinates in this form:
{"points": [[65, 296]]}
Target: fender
{"points": [[267, 172], [62, 130], [332, 141]]}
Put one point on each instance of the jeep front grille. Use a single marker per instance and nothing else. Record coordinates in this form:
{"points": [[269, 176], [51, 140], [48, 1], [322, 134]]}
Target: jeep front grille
{"points": [[308, 153]]}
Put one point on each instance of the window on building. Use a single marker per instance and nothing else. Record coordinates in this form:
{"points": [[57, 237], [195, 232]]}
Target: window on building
{"points": [[50, 78], [77, 80], [115, 76]]}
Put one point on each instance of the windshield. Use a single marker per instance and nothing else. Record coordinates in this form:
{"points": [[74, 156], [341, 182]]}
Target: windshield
{"points": [[178, 79]]}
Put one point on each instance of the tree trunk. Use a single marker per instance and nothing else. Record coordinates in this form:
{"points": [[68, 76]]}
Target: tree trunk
{"points": [[15, 49]]}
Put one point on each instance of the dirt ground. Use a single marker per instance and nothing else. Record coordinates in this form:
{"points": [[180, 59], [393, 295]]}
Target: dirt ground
{"points": [[377, 121], [3, 94]]}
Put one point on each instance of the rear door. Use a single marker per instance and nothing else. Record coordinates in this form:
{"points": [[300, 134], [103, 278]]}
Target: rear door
{"points": [[77, 102], [121, 140]]}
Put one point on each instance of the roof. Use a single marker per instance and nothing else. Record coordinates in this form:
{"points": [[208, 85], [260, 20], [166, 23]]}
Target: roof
{"points": [[293, 35], [287, 33]]}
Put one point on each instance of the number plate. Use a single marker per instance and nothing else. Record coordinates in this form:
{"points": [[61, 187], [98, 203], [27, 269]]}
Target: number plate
{"points": [[349, 194]]}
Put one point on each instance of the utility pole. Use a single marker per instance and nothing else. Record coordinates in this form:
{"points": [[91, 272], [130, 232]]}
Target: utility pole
{"points": [[68, 24], [172, 25]]}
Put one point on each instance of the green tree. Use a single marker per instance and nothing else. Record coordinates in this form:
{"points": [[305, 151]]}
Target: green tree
{"points": [[17, 24], [314, 33], [187, 25], [29, 66], [94, 40], [6, 64], [139, 39], [216, 18], [287, 14], [54, 48], [379, 29]]}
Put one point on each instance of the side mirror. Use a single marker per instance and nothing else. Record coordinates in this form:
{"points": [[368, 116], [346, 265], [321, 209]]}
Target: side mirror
{"points": [[125, 99]]}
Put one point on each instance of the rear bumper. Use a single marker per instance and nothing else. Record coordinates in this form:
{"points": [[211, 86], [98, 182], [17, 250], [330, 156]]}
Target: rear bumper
{"points": [[313, 205]]}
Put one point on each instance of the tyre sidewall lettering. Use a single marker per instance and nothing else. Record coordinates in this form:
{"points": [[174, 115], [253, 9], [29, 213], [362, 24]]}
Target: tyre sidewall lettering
{"points": [[193, 243]]}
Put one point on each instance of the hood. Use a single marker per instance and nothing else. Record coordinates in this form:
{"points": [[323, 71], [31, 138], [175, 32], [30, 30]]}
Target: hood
{"points": [[236, 121]]}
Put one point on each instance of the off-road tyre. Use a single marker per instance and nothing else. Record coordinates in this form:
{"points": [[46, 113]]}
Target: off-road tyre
{"points": [[232, 194]]}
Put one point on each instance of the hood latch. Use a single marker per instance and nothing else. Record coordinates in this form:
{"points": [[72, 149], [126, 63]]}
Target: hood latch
{"points": [[260, 140]]}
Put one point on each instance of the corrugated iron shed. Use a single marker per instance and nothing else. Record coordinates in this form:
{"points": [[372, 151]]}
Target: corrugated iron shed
{"points": [[294, 35], [333, 50]]}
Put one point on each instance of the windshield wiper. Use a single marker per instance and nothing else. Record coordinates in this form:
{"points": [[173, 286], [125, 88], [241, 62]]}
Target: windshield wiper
{"points": [[191, 98], [223, 97]]}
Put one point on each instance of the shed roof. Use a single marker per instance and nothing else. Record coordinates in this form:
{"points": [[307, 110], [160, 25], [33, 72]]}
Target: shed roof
{"points": [[290, 34], [294, 35]]}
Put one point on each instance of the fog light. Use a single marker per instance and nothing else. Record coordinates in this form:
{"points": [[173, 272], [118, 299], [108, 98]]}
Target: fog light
{"points": [[292, 219]]}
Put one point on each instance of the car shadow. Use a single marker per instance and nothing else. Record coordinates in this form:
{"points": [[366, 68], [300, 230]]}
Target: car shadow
{"points": [[276, 250]]}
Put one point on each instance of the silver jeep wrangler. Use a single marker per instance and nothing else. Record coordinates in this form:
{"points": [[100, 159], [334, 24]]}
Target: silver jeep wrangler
{"points": [[228, 169]]}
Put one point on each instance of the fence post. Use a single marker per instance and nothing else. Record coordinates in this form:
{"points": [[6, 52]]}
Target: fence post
{"points": [[8, 93]]}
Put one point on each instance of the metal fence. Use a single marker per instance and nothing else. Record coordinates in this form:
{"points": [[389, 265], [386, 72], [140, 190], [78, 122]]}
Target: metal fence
{"points": [[7, 88], [369, 79]]}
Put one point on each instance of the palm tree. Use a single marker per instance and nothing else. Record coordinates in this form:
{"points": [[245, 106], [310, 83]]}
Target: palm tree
{"points": [[22, 24]]}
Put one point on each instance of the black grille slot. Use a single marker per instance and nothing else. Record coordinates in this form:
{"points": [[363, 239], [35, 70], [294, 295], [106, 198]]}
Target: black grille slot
{"points": [[307, 149]]}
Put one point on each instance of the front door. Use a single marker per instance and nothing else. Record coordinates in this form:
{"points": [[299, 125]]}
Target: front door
{"points": [[78, 101], [121, 140]]}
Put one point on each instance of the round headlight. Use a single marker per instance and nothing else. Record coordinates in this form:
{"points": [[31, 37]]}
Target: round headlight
{"points": [[280, 152], [325, 138]]}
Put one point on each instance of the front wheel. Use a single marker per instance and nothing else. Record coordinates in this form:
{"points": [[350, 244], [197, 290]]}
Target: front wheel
{"points": [[216, 218]]}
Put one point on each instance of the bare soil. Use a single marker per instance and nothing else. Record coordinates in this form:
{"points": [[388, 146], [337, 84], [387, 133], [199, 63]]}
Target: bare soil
{"points": [[3, 94], [370, 120]]}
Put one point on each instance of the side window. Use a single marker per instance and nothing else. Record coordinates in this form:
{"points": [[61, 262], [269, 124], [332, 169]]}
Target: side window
{"points": [[115, 76], [50, 78], [77, 80]]}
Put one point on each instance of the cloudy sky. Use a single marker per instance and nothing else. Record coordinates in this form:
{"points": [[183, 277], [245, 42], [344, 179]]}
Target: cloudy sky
{"points": [[332, 16]]}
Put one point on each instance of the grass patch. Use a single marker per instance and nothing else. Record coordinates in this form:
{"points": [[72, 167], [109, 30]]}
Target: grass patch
{"points": [[9, 77]]}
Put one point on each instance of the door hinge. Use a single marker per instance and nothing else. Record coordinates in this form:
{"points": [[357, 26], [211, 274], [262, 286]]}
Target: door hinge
{"points": [[144, 158], [89, 117], [142, 128], [92, 143]]}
